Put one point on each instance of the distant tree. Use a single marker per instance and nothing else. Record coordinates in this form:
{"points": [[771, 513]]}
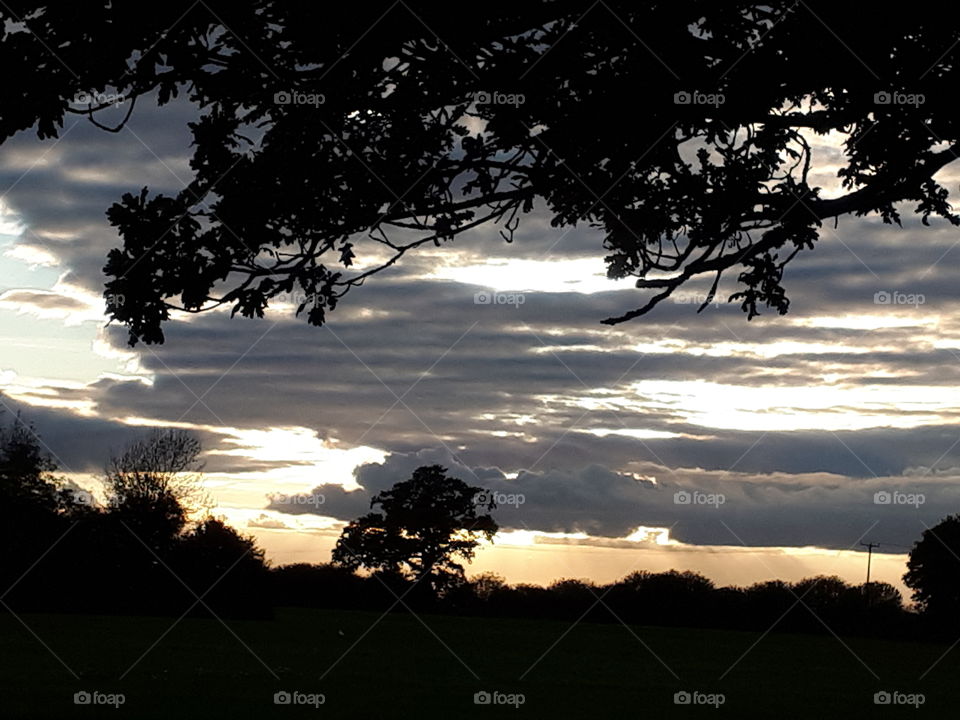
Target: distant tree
{"points": [[571, 598], [487, 585], [213, 558], [881, 595], [821, 591], [319, 585], [933, 570], [27, 471], [154, 484], [482, 594], [426, 525], [768, 601], [667, 598], [37, 509], [218, 546]]}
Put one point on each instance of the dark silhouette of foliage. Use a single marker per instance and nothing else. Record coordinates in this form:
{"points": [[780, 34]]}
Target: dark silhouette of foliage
{"points": [[224, 567], [27, 471], [34, 504], [326, 586], [426, 525], [153, 485], [816, 605], [933, 571], [672, 597], [334, 133], [140, 553]]}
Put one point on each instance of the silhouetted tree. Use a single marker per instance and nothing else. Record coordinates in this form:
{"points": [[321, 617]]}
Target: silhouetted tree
{"points": [[482, 594], [933, 571], [27, 470], [152, 488], [313, 148], [427, 524], [323, 585], [572, 598], [667, 598], [154, 484], [33, 506], [769, 601], [487, 585], [882, 595], [213, 558], [821, 591]]}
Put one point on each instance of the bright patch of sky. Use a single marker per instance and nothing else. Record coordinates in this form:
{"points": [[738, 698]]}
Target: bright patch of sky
{"points": [[585, 275], [46, 345]]}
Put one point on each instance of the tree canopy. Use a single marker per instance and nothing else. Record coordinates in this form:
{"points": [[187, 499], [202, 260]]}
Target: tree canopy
{"points": [[933, 570], [27, 479], [332, 140], [148, 548], [426, 525], [154, 483]]}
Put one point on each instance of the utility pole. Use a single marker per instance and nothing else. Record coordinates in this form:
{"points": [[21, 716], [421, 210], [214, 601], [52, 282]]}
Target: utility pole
{"points": [[869, 546]]}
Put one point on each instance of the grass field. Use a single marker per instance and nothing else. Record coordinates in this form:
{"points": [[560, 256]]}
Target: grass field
{"points": [[405, 668]]}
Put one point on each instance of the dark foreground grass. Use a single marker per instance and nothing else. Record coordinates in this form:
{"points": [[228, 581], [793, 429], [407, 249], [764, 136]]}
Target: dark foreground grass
{"points": [[432, 667]]}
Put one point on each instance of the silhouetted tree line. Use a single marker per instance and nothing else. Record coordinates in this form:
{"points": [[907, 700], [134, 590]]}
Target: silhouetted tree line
{"points": [[137, 552], [680, 599]]}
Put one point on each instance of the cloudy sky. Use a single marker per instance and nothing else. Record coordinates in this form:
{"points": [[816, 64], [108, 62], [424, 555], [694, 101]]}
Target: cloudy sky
{"points": [[780, 432]]}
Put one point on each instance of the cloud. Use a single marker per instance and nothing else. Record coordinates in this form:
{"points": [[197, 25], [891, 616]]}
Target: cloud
{"points": [[698, 507], [267, 522], [43, 303], [79, 444]]}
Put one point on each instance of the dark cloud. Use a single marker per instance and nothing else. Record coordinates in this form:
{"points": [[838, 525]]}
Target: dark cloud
{"points": [[699, 507], [78, 443]]}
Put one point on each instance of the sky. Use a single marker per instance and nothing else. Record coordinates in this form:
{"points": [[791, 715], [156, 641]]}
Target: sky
{"points": [[743, 450]]}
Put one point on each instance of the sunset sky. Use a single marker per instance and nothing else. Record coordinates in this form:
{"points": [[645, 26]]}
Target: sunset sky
{"points": [[796, 421]]}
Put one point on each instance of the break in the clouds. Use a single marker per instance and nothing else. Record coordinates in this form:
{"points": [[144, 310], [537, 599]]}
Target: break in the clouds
{"points": [[490, 358]]}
